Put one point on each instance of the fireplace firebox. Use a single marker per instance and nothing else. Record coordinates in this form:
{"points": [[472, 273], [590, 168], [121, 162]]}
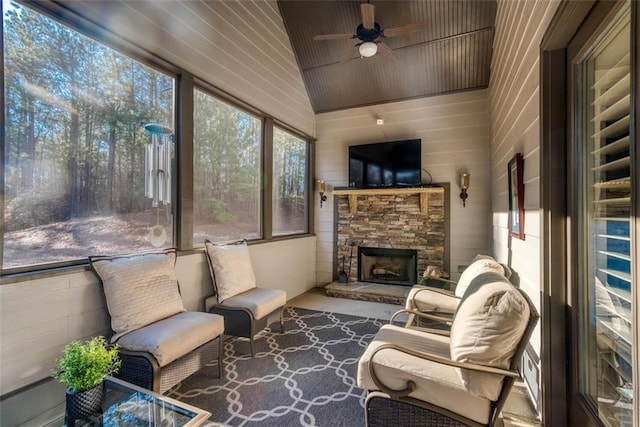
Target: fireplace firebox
{"points": [[387, 266]]}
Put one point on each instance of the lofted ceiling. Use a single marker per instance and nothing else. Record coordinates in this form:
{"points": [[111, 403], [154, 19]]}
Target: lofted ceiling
{"points": [[452, 52]]}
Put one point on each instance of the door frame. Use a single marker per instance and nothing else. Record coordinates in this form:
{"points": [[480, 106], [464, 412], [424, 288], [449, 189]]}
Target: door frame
{"points": [[562, 403]]}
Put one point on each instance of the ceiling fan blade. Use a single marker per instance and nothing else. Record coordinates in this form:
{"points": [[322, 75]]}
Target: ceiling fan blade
{"points": [[405, 29], [333, 36], [386, 51], [367, 11]]}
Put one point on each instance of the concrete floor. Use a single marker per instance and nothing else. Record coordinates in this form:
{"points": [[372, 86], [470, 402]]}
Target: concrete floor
{"points": [[518, 411]]}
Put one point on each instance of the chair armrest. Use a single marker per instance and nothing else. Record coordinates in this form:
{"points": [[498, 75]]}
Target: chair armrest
{"points": [[429, 316], [432, 299], [443, 332], [449, 362], [439, 291], [432, 358], [210, 302], [444, 282]]}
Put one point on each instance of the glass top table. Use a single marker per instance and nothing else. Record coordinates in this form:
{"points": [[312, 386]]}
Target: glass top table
{"points": [[128, 405]]}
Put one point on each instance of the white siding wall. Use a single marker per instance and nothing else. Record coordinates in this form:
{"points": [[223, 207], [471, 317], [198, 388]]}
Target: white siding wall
{"points": [[240, 47], [514, 103], [455, 135], [38, 317]]}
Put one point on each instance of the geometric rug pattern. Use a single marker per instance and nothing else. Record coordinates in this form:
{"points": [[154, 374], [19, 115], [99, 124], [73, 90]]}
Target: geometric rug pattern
{"points": [[304, 377]]}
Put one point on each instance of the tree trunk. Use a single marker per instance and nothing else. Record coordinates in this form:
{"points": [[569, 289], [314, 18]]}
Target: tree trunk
{"points": [[74, 141], [88, 145], [29, 147], [111, 166]]}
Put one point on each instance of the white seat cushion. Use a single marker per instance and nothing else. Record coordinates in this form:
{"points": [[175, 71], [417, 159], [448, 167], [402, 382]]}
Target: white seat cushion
{"points": [[260, 301], [423, 298], [437, 384], [172, 338], [487, 328]]}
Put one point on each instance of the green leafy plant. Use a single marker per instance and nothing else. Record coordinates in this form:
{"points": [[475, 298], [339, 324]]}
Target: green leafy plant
{"points": [[84, 365]]}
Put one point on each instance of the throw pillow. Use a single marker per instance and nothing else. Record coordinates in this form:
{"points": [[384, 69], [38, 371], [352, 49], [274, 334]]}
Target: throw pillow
{"points": [[140, 289], [487, 328], [231, 269], [480, 264]]}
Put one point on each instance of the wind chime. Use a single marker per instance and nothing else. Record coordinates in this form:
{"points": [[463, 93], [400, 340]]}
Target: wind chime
{"points": [[158, 157]]}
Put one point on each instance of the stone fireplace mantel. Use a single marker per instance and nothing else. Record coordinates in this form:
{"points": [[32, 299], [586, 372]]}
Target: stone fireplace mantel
{"points": [[354, 193], [394, 218]]}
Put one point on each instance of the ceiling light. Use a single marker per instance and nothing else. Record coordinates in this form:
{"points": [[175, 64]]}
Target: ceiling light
{"points": [[368, 49]]}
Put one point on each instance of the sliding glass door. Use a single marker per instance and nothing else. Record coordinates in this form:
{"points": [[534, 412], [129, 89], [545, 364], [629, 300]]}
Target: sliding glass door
{"points": [[606, 288]]}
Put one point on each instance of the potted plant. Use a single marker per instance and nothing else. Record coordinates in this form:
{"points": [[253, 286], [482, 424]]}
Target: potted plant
{"points": [[82, 368]]}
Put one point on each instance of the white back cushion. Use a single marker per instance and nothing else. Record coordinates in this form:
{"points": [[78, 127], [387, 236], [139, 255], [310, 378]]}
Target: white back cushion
{"points": [[480, 264], [140, 289], [487, 330], [231, 269]]}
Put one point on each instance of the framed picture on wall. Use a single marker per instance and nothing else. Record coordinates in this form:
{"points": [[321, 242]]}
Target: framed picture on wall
{"points": [[516, 197]]}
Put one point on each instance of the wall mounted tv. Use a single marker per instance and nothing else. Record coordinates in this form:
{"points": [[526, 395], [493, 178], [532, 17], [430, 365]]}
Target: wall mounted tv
{"points": [[385, 164]]}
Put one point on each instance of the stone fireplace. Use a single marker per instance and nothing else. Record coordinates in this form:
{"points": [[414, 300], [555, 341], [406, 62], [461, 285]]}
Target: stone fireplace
{"points": [[404, 219], [387, 266]]}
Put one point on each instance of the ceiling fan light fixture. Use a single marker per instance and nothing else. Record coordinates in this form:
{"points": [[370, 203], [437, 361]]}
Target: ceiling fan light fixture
{"points": [[368, 49]]}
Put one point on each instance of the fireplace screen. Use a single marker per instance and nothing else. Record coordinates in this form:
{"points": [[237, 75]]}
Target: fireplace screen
{"points": [[388, 266]]}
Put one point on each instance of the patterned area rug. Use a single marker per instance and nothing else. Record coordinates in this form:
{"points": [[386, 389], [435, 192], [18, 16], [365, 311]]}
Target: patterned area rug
{"points": [[304, 377]]}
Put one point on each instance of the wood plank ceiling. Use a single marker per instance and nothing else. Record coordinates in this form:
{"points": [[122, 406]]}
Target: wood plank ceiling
{"points": [[452, 53]]}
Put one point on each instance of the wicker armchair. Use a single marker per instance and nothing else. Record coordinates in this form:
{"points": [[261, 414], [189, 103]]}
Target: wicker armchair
{"points": [[441, 296], [426, 377], [160, 343], [142, 369], [247, 309]]}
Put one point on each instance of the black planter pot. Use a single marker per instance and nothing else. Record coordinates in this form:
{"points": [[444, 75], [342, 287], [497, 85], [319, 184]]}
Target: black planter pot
{"points": [[85, 403]]}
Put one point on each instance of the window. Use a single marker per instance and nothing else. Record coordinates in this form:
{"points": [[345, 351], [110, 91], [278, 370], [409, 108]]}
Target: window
{"points": [[88, 147], [226, 171], [606, 338], [89, 153], [290, 154]]}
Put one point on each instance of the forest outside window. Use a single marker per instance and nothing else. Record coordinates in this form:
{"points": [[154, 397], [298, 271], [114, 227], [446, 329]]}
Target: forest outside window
{"points": [[290, 168], [227, 152], [88, 146]]}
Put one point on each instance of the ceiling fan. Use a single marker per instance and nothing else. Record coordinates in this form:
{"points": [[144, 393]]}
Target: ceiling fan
{"points": [[369, 33]]}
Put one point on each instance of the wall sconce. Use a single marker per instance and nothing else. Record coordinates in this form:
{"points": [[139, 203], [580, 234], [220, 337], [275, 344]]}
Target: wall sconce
{"points": [[464, 185], [321, 189]]}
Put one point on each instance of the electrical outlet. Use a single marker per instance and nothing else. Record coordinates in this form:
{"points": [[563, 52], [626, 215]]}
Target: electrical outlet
{"points": [[462, 268]]}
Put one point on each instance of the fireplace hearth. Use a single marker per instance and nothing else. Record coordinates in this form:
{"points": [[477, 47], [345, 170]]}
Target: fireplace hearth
{"points": [[394, 219], [387, 266]]}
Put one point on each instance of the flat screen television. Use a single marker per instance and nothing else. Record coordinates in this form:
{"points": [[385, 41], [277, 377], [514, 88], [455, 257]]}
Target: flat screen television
{"points": [[385, 164]]}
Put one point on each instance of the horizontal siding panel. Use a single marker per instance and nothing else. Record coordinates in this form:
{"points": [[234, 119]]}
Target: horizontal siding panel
{"points": [[17, 302], [532, 218], [431, 117], [525, 112], [87, 324], [220, 43], [455, 135], [528, 145], [513, 42], [323, 277], [27, 369], [514, 105], [422, 104], [36, 338]]}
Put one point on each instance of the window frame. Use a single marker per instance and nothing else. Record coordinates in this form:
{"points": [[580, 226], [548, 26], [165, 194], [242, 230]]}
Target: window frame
{"points": [[308, 187], [185, 84], [571, 25], [112, 41], [253, 113]]}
